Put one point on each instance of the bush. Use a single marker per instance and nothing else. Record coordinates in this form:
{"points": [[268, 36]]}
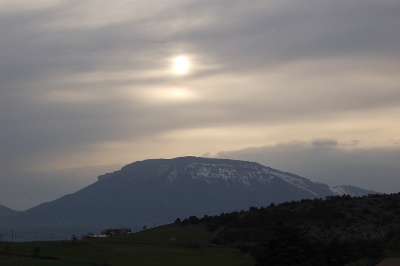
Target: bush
{"points": [[216, 241], [245, 248], [36, 251], [192, 245], [7, 248], [212, 227]]}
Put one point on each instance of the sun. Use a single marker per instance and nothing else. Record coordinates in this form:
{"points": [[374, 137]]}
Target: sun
{"points": [[180, 65]]}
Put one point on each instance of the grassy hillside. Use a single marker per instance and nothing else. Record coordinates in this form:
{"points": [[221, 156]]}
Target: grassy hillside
{"points": [[149, 247]]}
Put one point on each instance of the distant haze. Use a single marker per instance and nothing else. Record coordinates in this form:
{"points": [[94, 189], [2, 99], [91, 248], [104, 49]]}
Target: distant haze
{"points": [[310, 87]]}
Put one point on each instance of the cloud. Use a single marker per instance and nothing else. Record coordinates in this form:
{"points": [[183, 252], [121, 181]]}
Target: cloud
{"points": [[329, 162], [324, 142], [86, 83], [262, 34]]}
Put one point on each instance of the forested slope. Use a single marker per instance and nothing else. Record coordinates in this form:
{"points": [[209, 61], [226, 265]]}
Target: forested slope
{"points": [[314, 229]]}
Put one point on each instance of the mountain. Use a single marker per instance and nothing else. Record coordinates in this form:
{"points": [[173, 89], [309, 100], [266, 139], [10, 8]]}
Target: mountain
{"points": [[158, 191], [351, 191], [4, 211]]}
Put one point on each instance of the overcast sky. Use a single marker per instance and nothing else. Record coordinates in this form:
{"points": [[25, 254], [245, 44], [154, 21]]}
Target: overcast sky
{"points": [[310, 87]]}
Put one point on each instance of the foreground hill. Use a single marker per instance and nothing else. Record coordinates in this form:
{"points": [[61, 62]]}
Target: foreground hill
{"points": [[158, 191], [373, 218], [334, 231]]}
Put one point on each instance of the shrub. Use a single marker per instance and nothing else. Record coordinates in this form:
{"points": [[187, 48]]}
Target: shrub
{"points": [[192, 245], [36, 251], [7, 248]]}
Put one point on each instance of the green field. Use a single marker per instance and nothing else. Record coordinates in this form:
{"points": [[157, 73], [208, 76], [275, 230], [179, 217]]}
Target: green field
{"points": [[149, 247]]}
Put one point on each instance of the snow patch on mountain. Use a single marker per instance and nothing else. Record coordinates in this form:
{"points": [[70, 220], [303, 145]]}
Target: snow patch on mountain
{"points": [[294, 180], [242, 173], [351, 191], [340, 191], [210, 173]]}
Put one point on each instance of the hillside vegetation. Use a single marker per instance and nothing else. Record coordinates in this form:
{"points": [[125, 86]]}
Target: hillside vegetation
{"points": [[373, 217], [313, 231]]}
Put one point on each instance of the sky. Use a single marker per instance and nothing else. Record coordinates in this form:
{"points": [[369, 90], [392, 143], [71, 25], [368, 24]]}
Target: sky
{"points": [[309, 87]]}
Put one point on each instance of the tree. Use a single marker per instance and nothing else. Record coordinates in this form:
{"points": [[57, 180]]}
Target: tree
{"points": [[339, 252], [288, 246], [193, 219], [74, 238]]}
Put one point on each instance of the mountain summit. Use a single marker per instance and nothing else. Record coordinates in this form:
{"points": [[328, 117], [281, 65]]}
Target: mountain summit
{"points": [[161, 190]]}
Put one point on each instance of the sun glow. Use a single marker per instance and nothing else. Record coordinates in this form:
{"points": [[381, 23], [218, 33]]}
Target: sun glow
{"points": [[167, 95], [180, 65]]}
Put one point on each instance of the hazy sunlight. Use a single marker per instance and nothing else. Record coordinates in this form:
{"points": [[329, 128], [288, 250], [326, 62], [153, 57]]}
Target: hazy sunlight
{"points": [[180, 65]]}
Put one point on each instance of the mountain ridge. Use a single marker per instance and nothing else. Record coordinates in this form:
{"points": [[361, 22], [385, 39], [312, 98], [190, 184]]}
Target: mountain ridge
{"points": [[161, 190], [6, 211]]}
